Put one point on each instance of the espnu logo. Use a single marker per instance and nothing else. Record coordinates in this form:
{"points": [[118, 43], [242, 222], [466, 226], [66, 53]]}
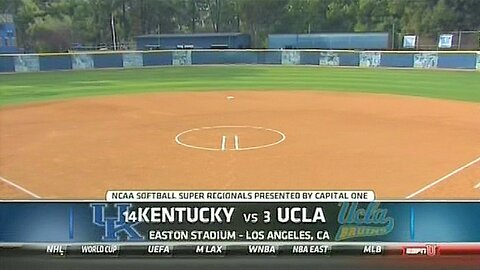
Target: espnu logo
{"points": [[116, 224], [427, 250]]}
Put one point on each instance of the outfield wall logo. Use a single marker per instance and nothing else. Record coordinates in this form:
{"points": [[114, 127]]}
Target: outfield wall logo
{"points": [[359, 222], [82, 61], [425, 60], [115, 226], [182, 58], [329, 59], [370, 59], [27, 63], [290, 57], [478, 61]]}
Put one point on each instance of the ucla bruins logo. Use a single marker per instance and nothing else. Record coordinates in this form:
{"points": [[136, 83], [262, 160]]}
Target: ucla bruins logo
{"points": [[360, 222]]}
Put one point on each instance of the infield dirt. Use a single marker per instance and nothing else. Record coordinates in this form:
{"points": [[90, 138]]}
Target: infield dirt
{"points": [[394, 145]]}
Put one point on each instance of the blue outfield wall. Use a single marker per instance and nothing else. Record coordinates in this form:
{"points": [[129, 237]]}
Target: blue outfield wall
{"points": [[7, 64], [55, 62], [157, 59], [396, 60], [136, 59], [209, 57], [309, 58], [349, 59], [269, 57], [459, 61], [108, 60]]}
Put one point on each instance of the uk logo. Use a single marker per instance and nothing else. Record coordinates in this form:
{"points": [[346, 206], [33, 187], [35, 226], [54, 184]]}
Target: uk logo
{"points": [[115, 226]]}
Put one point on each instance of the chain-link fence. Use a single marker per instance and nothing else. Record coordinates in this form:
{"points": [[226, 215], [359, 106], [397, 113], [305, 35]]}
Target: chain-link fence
{"points": [[6, 18], [122, 46], [445, 40]]}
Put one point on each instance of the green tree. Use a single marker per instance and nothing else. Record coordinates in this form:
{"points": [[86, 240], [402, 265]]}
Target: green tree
{"points": [[341, 16], [261, 18], [89, 21], [373, 15], [51, 34], [25, 15]]}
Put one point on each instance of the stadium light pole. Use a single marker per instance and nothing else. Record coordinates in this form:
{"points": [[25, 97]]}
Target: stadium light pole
{"points": [[393, 35], [459, 40], [114, 35]]}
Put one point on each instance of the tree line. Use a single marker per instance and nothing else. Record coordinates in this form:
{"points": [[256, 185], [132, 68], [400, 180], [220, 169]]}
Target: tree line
{"points": [[54, 25]]}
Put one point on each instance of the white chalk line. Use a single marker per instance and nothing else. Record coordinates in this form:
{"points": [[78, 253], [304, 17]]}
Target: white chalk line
{"points": [[477, 186], [236, 144], [224, 143], [179, 141], [443, 178], [10, 183]]}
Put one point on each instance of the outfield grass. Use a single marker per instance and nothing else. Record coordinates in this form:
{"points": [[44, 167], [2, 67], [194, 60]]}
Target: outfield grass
{"points": [[33, 87]]}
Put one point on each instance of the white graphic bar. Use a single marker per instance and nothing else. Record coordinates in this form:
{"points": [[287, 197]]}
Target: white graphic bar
{"points": [[240, 196]]}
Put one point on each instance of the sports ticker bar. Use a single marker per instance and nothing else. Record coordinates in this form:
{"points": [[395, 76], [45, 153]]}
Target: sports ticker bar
{"points": [[167, 250], [239, 228]]}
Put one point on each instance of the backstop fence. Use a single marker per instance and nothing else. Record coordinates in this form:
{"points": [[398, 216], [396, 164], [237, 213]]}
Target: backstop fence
{"points": [[463, 60]]}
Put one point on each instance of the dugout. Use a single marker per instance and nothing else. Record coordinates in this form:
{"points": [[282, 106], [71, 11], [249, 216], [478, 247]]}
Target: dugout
{"points": [[193, 41], [331, 41]]}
